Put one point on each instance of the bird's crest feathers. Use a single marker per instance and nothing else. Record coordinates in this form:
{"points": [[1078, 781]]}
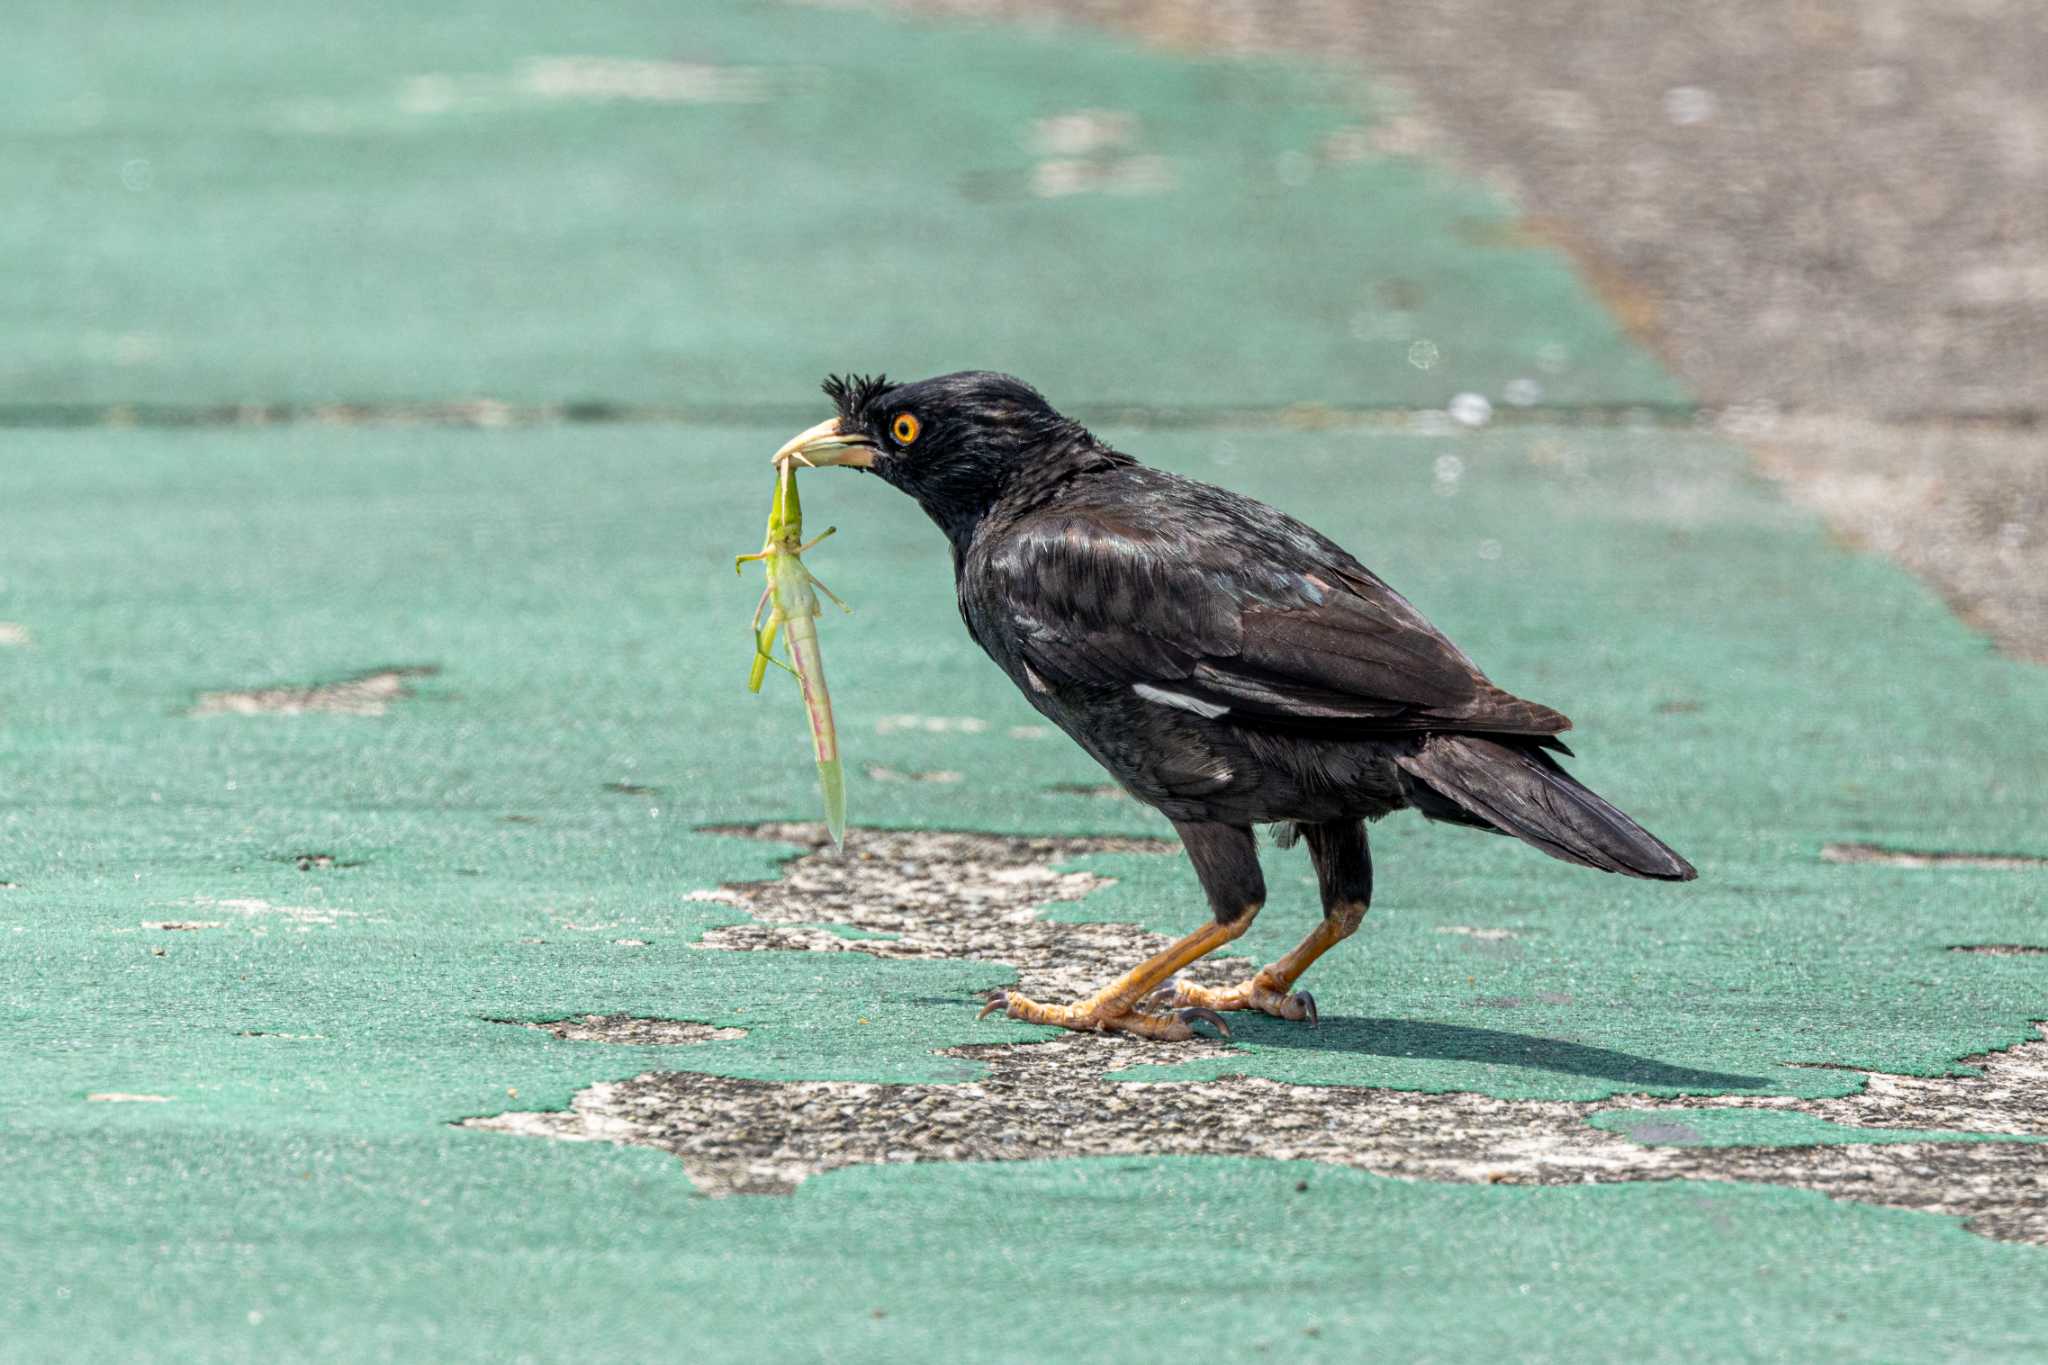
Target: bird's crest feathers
{"points": [[855, 393]]}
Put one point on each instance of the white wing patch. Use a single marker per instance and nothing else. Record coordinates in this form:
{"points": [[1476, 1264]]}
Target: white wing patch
{"points": [[1208, 710]]}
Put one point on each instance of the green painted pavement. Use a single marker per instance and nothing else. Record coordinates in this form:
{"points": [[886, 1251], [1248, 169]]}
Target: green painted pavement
{"points": [[316, 203], [605, 1254], [1764, 1128], [712, 205], [589, 631], [574, 587]]}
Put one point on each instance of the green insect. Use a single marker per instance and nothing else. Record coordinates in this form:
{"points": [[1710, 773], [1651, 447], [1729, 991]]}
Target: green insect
{"points": [[788, 605]]}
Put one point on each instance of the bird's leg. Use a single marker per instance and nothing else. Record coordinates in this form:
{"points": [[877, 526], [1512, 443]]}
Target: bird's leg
{"points": [[1115, 1006], [1226, 859], [1343, 865]]}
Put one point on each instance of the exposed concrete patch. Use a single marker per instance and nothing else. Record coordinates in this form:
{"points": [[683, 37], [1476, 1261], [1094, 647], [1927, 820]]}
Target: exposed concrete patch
{"points": [[1899, 857], [2008, 1094], [12, 633], [538, 82], [303, 916], [572, 79], [1729, 1126], [952, 896], [630, 1030], [122, 1097], [642, 80], [257, 914], [1102, 791], [878, 773], [976, 896], [365, 694], [320, 862], [931, 725], [1050, 1100]]}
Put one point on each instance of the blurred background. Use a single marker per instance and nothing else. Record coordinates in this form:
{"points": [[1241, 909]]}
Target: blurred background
{"points": [[1829, 220], [1822, 224]]}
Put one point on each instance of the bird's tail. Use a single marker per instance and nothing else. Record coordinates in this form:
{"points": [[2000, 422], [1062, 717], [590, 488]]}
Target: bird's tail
{"points": [[1520, 790]]}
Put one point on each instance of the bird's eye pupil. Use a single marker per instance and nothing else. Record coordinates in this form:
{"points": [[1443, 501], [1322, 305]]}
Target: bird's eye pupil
{"points": [[905, 428]]}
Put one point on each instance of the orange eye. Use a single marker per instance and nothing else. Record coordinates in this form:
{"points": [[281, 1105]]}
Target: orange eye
{"points": [[904, 428]]}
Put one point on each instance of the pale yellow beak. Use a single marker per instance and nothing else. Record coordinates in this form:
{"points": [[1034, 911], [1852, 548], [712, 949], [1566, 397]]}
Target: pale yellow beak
{"points": [[825, 444]]}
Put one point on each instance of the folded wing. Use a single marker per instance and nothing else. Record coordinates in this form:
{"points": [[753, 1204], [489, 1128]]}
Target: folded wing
{"points": [[1264, 621]]}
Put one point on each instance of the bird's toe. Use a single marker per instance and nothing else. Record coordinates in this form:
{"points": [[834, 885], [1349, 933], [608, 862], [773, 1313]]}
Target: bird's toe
{"points": [[1179, 991], [1195, 1014], [1252, 994], [1106, 1015]]}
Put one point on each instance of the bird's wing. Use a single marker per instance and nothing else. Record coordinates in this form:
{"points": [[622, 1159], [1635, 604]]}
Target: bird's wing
{"points": [[1269, 623]]}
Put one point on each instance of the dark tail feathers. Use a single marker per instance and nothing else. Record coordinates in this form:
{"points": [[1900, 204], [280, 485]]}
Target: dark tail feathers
{"points": [[1520, 790]]}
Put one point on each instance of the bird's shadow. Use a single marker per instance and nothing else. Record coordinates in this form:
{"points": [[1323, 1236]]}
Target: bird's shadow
{"points": [[1495, 1047]]}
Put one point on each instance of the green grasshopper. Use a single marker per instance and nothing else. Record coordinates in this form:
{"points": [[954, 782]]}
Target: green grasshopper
{"points": [[789, 605]]}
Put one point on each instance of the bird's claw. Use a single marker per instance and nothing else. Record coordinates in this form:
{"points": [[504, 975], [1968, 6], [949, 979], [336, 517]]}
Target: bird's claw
{"points": [[1249, 995], [1165, 997], [1093, 1017]]}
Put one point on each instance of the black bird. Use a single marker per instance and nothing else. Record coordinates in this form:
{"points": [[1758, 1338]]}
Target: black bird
{"points": [[1224, 662]]}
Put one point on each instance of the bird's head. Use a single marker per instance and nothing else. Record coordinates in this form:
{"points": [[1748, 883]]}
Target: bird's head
{"points": [[956, 443]]}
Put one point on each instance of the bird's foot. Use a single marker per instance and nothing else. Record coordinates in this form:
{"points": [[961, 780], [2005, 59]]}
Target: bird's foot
{"points": [[1107, 1014], [1260, 992]]}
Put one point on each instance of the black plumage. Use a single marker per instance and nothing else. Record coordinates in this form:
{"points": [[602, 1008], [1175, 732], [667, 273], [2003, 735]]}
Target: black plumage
{"points": [[1226, 663]]}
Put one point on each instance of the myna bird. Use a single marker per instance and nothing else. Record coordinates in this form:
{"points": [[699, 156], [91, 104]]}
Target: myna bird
{"points": [[1227, 664]]}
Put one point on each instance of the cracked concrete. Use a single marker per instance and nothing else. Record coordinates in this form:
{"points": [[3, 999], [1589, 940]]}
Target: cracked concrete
{"points": [[365, 694], [963, 895], [630, 1030], [1051, 1100], [957, 896], [1918, 858]]}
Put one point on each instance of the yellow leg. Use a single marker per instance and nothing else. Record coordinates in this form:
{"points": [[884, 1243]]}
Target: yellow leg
{"points": [[1271, 989], [1115, 1006]]}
